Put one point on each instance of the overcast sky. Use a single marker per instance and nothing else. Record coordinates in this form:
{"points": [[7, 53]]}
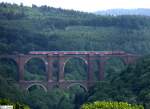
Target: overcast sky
{"points": [[86, 5]]}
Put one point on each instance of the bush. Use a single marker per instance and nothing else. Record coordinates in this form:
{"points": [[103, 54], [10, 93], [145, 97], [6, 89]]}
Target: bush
{"points": [[110, 105], [15, 105]]}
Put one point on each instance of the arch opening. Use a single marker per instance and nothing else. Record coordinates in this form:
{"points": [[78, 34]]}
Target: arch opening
{"points": [[9, 68], [75, 68], [36, 87], [113, 67], [77, 93], [35, 69], [77, 87]]}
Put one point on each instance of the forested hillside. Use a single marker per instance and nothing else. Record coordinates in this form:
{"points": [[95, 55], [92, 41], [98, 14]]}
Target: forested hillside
{"points": [[24, 29], [131, 85], [43, 28]]}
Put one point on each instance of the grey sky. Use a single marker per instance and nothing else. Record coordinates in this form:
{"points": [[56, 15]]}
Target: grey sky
{"points": [[86, 5]]}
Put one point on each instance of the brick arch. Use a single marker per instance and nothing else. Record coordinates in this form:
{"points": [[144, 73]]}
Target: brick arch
{"points": [[42, 59], [36, 84], [80, 84], [75, 57], [36, 57]]}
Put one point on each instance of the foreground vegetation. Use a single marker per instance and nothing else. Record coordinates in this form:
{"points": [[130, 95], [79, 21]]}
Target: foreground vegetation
{"points": [[110, 105], [4, 102], [24, 29]]}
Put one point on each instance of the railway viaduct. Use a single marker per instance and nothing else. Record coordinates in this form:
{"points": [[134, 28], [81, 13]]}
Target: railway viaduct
{"points": [[63, 57]]}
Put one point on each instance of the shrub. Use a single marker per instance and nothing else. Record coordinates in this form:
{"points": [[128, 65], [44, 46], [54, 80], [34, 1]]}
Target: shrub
{"points": [[15, 105], [110, 105]]}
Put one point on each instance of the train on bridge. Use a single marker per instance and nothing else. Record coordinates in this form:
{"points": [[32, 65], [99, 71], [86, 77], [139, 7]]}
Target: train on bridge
{"points": [[77, 52]]}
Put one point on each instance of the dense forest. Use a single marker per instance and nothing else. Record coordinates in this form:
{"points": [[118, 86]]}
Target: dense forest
{"points": [[24, 29]]}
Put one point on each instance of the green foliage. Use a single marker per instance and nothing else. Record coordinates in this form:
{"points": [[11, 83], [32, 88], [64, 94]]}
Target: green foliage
{"points": [[24, 29], [110, 105], [131, 85], [113, 67], [8, 68], [35, 69], [53, 99], [16, 105], [75, 69]]}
